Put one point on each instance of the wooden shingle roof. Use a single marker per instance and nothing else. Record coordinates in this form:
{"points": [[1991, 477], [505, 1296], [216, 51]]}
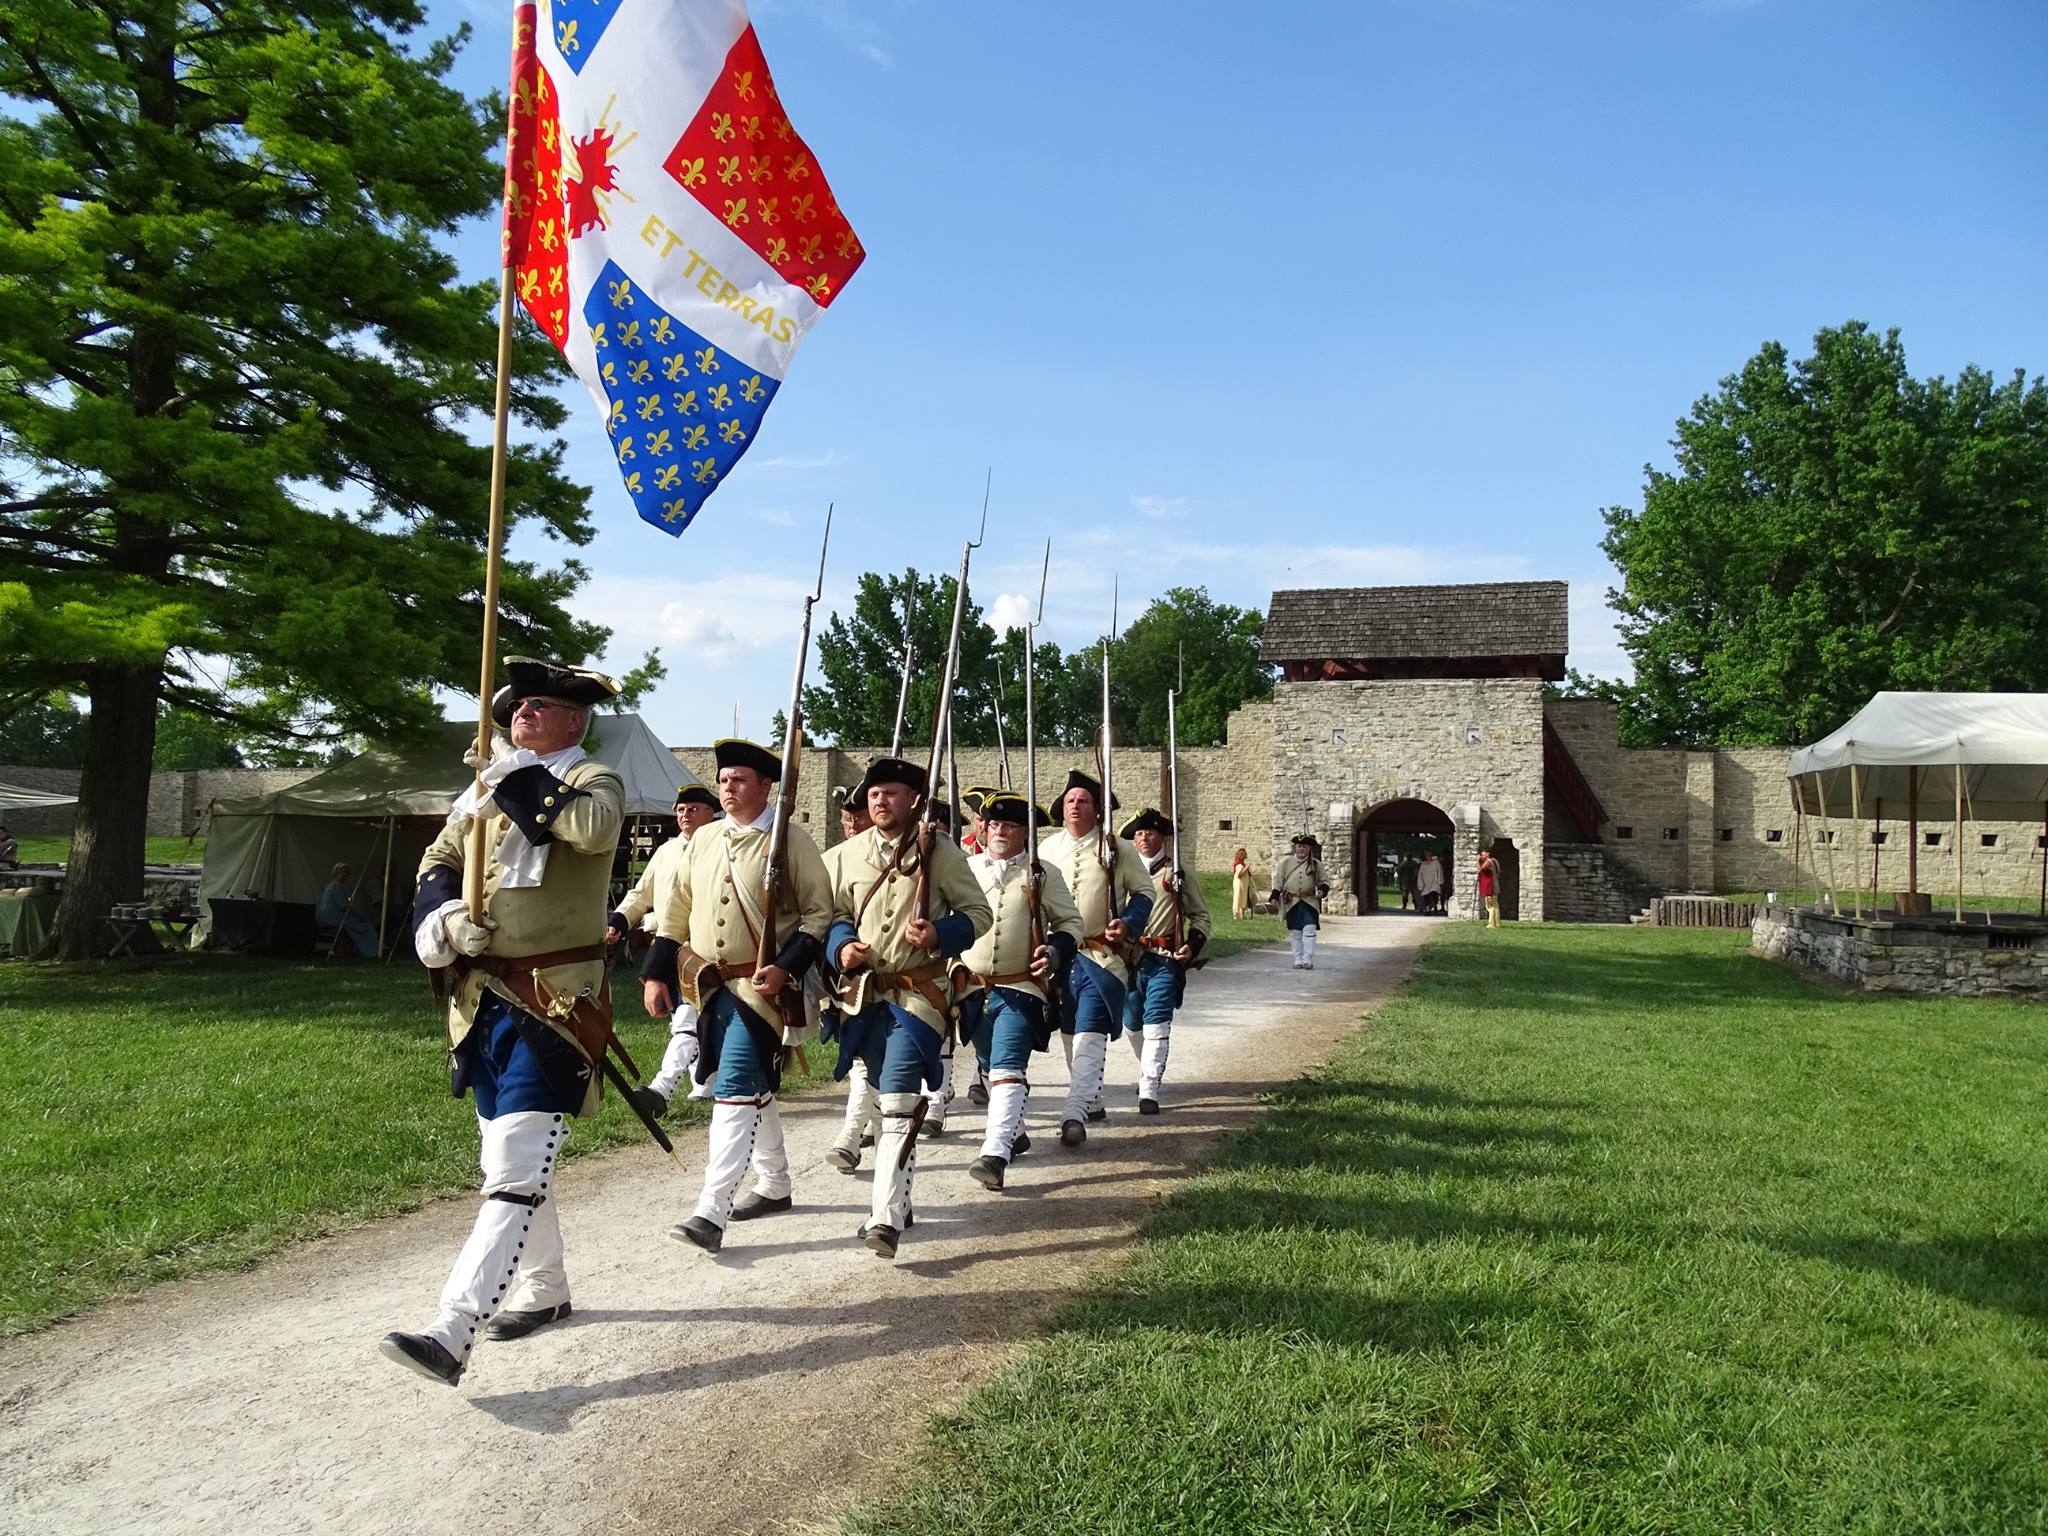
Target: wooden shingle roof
{"points": [[1494, 618]]}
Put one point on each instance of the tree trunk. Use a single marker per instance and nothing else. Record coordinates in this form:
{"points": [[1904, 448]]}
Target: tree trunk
{"points": [[113, 809]]}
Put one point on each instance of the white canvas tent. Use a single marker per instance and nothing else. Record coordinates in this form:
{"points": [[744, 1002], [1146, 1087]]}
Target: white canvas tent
{"points": [[379, 811], [13, 797], [1975, 756]]}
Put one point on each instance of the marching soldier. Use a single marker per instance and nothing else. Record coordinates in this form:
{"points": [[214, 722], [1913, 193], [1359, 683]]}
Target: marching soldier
{"points": [[1113, 893], [1002, 980], [1298, 885], [696, 806], [1174, 935], [706, 952], [892, 960], [529, 1011], [863, 1105]]}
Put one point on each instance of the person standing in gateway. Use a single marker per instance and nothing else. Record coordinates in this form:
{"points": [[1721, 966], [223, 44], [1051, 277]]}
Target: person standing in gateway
{"points": [[1298, 886], [1489, 886]]}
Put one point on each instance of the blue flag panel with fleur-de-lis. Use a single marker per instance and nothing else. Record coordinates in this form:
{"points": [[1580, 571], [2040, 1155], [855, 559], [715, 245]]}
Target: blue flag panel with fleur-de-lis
{"points": [[682, 410]]}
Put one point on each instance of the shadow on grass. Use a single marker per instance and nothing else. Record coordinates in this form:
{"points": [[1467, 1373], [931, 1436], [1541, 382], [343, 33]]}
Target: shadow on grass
{"points": [[1438, 1323], [2006, 1274]]}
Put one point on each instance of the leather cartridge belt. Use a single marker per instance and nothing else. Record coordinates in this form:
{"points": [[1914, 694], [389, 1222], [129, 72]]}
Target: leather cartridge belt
{"points": [[1159, 942], [990, 983], [502, 966], [697, 978], [922, 979]]}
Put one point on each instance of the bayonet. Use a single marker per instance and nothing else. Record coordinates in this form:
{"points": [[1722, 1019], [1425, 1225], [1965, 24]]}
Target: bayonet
{"points": [[909, 659], [942, 723], [1002, 747]]}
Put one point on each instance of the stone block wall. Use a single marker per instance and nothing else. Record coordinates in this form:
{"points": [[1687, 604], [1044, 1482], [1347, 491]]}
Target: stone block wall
{"points": [[1472, 747], [1585, 883], [47, 820], [179, 802], [1943, 960]]}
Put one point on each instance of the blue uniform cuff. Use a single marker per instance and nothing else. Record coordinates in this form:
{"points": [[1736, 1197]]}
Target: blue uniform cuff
{"points": [[1136, 911], [798, 955], [837, 937], [660, 964], [1194, 938], [956, 933], [1064, 947], [531, 799], [438, 886]]}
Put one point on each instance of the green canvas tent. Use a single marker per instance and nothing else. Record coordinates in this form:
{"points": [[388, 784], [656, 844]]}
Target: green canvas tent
{"points": [[379, 812]]}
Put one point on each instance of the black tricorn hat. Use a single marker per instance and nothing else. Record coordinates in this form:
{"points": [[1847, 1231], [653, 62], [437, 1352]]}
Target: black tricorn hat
{"points": [[737, 752], [1147, 820], [975, 797], [892, 770], [549, 680], [1006, 805], [696, 794], [1076, 779]]}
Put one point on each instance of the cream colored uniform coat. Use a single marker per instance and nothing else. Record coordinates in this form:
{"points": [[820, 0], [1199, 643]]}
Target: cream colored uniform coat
{"points": [[662, 871], [860, 863], [1194, 906], [1297, 880], [565, 911], [1087, 882], [714, 909], [1005, 949]]}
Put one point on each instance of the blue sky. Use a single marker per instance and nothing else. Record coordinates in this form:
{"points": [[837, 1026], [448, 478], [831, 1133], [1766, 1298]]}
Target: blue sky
{"points": [[1314, 294]]}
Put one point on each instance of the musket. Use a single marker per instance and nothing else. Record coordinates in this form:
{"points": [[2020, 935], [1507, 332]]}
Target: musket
{"points": [[1105, 827], [1002, 747], [1035, 876], [909, 658], [942, 723], [789, 1000], [1176, 932]]}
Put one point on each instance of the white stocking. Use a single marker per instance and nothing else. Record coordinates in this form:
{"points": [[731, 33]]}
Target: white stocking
{"points": [[1308, 946], [862, 1108], [734, 1124], [891, 1206], [518, 1157], [1152, 1065], [771, 1158], [1294, 943], [1006, 1095], [681, 1053], [938, 1100], [1084, 1088]]}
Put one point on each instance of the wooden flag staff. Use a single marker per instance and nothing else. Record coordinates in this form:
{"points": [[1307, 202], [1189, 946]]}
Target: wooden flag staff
{"points": [[494, 545]]}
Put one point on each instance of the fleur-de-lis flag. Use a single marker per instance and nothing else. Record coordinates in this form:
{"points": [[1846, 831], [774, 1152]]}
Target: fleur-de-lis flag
{"points": [[670, 229]]}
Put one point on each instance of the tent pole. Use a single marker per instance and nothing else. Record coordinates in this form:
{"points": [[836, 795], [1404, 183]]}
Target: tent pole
{"points": [[2041, 909], [1827, 836], [1913, 830], [1959, 830], [1798, 824], [384, 894], [1856, 825], [1876, 842]]}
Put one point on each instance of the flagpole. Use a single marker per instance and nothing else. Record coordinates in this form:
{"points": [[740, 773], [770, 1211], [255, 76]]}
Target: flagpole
{"points": [[473, 866]]}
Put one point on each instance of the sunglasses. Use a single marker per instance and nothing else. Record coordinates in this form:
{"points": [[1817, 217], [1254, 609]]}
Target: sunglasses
{"points": [[537, 705]]}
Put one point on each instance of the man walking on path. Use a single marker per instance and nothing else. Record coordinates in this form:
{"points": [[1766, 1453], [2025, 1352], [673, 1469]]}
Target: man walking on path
{"points": [[1299, 887], [1429, 884], [553, 817], [1174, 935], [696, 807]]}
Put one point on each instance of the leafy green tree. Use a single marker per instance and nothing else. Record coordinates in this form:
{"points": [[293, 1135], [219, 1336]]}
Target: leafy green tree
{"points": [[186, 739], [1186, 634], [240, 372], [43, 731], [1835, 527], [860, 666]]}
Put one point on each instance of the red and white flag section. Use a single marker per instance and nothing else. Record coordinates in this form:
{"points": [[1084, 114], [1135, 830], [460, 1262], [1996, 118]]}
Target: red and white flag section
{"points": [[670, 229]]}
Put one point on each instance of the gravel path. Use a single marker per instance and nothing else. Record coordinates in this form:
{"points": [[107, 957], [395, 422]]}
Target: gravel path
{"points": [[687, 1393]]}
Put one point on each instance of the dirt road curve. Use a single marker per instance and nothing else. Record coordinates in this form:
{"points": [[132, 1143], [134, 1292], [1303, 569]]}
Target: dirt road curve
{"points": [[688, 1393]]}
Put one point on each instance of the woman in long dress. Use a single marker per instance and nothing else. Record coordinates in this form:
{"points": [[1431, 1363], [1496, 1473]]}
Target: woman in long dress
{"points": [[1240, 885]]}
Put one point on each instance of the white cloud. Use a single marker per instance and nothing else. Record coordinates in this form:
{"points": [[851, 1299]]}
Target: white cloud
{"points": [[788, 463], [1160, 508], [777, 517], [1012, 610]]}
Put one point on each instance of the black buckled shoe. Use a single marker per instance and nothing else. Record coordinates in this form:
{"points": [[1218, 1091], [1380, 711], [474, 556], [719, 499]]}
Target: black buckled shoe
{"points": [[707, 1235], [753, 1203], [977, 1093], [1072, 1133], [1020, 1146], [881, 1239], [517, 1325], [987, 1172], [846, 1159], [417, 1352], [860, 1233], [1097, 1116], [931, 1128], [653, 1104], [1148, 1106]]}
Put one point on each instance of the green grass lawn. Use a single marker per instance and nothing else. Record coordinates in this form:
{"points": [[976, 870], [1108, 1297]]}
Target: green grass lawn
{"points": [[157, 850], [1590, 1230], [198, 1112], [1232, 934]]}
